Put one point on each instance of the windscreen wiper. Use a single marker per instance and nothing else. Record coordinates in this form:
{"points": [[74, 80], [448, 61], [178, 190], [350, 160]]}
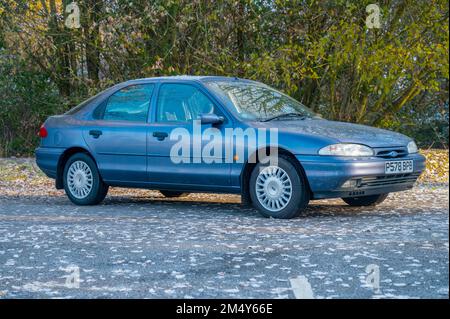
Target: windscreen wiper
{"points": [[299, 115]]}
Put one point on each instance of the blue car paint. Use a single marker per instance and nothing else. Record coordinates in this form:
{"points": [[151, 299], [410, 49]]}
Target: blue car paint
{"points": [[326, 175], [128, 155]]}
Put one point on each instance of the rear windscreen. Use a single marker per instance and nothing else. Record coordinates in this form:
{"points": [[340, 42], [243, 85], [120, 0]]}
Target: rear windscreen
{"points": [[80, 106]]}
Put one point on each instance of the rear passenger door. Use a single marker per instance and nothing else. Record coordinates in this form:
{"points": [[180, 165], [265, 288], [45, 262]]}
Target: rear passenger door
{"points": [[118, 135]]}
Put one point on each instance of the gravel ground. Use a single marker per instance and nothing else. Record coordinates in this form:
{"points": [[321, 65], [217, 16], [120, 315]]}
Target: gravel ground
{"points": [[141, 245]]}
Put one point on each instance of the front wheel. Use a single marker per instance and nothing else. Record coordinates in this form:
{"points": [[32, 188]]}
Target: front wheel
{"points": [[371, 200], [279, 191], [82, 182]]}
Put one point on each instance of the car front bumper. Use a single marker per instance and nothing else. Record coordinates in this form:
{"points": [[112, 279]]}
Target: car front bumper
{"points": [[326, 175]]}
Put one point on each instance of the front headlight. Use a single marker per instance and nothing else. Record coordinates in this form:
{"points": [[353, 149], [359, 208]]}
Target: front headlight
{"points": [[412, 147], [346, 150]]}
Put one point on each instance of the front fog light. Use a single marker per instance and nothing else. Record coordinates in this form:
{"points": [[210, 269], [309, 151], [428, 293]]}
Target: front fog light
{"points": [[351, 183]]}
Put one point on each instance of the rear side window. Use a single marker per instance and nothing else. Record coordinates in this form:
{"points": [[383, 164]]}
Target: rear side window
{"points": [[129, 104]]}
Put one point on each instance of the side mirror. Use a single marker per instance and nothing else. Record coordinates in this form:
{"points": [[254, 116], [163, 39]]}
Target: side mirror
{"points": [[211, 119]]}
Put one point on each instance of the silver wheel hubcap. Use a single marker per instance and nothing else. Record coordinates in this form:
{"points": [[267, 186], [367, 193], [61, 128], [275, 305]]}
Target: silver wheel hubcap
{"points": [[79, 179], [273, 188]]}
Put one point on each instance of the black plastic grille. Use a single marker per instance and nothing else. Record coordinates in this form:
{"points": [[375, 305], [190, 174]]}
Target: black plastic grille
{"points": [[386, 180], [391, 152]]}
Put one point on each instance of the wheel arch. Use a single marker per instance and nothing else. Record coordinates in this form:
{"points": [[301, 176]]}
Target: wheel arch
{"points": [[63, 160], [248, 168]]}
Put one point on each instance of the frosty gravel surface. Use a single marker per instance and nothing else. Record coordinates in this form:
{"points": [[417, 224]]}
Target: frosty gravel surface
{"points": [[138, 244]]}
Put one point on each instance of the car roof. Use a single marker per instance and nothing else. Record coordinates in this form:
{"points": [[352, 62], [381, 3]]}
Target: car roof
{"points": [[199, 78]]}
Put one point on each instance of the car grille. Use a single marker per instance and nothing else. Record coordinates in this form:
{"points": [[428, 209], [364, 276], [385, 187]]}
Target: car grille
{"points": [[391, 152], [386, 180]]}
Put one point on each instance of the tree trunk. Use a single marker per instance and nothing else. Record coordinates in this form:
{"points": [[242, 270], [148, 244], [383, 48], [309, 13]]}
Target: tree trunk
{"points": [[60, 40], [91, 28]]}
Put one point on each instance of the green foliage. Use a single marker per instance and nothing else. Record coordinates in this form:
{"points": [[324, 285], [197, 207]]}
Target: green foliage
{"points": [[429, 126], [27, 98], [320, 52]]}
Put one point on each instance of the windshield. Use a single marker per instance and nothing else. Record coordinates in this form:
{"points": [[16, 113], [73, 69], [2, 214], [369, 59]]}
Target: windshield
{"points": [[252, 101]]}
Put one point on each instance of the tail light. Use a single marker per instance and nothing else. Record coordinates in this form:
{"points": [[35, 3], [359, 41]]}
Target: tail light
{"points": [[43, 133]]}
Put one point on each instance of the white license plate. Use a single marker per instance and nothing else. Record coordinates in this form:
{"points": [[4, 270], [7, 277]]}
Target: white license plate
{"points": [[396, 167]]}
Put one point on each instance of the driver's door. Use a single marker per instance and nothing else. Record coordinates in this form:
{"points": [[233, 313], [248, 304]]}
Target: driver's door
{"points": [[178, 105]]}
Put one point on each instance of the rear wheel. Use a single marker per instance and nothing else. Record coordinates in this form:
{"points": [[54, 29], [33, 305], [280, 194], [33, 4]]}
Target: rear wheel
{"points": [[278, 191], [173, 194], [82, 181], [371, 200]]}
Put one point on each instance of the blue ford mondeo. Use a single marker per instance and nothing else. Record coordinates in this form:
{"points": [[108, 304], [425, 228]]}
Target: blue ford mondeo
{"points": [[222, 135]]}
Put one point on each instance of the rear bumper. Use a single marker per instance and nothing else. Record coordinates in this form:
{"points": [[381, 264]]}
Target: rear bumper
{"points": [[47, 159], [326, 175]]}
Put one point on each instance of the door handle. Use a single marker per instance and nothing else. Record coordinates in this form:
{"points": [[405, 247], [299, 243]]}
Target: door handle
{"points": [[160, 135], [95, 133]]}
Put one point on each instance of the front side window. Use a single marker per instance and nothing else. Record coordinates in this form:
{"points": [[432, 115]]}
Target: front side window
{"points": [[129, 104], [182, 103], [252, 101]]}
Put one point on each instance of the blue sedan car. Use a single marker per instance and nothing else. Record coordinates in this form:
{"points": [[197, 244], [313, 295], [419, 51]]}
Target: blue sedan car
{"points": [[196, 134]]}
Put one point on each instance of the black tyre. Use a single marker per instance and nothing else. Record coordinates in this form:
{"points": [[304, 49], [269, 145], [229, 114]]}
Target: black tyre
{"points": [[82, 182], [279, 191], [371, 200], [173, 194]]}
